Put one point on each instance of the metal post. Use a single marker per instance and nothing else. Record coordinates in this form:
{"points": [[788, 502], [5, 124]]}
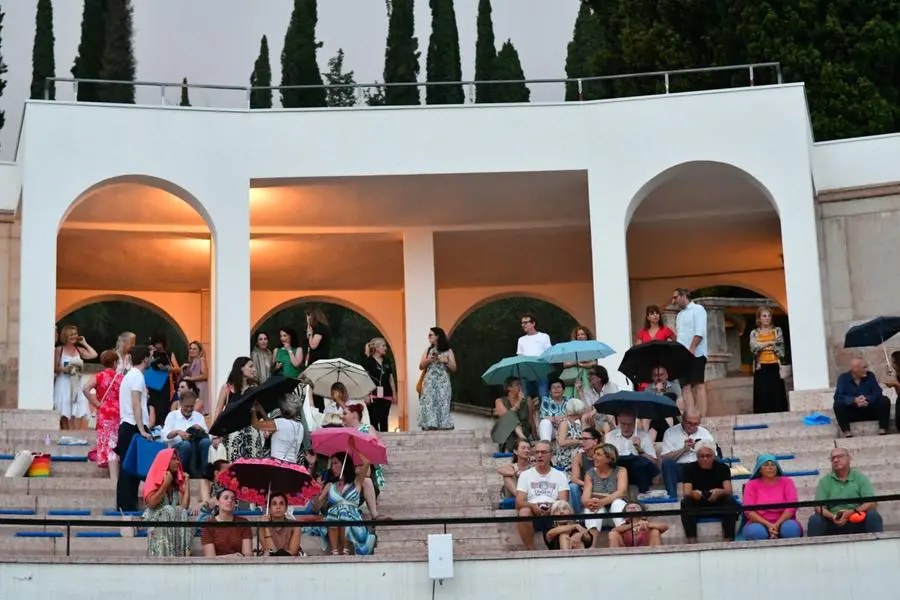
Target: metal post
{"points": [[249, 91], [751, 75], [666, 79], [580, 89], [46, 88], [68, 539], [162, 94], [471, 87], [75, 88]]}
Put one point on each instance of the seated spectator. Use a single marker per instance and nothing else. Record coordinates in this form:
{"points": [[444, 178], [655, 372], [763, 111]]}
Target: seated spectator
{"points": [[510, 472], [227, 541], [279, 541], [538, 488], [843, 515], [514, 416], [569, 435], [582, 462], [340, 499], [605, 487], [636, 452], [183, 386], [707, 482], [566, 534], [600, 385], [167, 493], [209, 493], [768, 485], [285, 431], [369, 477], [678, 449], [552, 411], [185, 430], [637, 532], [858, 397], [663, 387]]}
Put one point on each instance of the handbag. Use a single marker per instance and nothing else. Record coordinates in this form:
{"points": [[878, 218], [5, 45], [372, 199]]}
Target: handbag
{"points": [[40, 465], [420, 383], [140, 456]]}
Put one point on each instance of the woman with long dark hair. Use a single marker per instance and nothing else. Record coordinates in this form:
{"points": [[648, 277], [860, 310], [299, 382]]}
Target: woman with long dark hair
{"points": [[247, 442], [438, 362], [318, 343]]}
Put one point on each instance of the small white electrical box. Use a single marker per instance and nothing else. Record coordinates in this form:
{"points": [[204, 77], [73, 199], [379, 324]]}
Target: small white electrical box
{"points": [[440, 556]]}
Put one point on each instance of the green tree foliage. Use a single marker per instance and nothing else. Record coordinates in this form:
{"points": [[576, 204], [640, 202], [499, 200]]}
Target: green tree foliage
{"points": [[43, 64], [401, 55], [583, 57], [507, 67], [350, 331], [89, 60], [339, 96], [185, 93], [118, 53], [374, 96], [298, 58], [102, 322], [489, 334], [485, 52], [442, 62], [261, 77]]}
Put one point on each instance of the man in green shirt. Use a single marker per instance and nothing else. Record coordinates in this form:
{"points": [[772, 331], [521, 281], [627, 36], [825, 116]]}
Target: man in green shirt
{"points": [[844, 515]]}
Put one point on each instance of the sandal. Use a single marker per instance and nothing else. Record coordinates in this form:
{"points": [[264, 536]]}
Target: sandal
{"points": [[335, 553], [346, 552]]}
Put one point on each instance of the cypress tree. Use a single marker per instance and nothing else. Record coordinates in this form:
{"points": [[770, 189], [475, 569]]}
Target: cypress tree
{"points": [[339, 96], [442, 62], [3, 70], [401, 56], [581, 51], [298, 59], [508, 67], [43, 64], [485, 52], [89, 60], [261, 77], [185, 98], [118, 55]]}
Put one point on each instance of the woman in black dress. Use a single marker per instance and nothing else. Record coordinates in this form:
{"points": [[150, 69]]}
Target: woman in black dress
{"points": [[318, 343], [382, 375]]}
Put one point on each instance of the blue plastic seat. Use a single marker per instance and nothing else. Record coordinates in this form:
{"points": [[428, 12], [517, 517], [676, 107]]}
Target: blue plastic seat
{"points": [[16, 512], [507, 504], [127, 513], [503, 455], [39, 534], [750, 427], [65, 512]]}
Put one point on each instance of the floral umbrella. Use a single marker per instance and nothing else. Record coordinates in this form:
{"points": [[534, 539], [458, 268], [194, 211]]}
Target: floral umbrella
{"points": [[254, 479]]}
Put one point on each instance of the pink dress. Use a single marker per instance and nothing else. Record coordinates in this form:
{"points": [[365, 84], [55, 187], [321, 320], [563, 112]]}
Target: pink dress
{"points": [[757, 492], [107, 389], [195, 369]]}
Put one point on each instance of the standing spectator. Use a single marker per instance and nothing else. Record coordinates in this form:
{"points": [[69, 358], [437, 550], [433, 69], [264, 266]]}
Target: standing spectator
{"points": [[573, 372], [286, 431], [382, 373], [533, 343], [68, 397], [197, 371], [438, 362], [769, 485], [858, 397], [134, 416], [262, 357], [246, 442], [844, 486], [318, 343], [124, 343], [227, 541], [185, 431], [767, 346], [161, 360], [690, 325], [662, 387], [678, 448], [654, 330], [636, 452], [106, 401], [167, 493], [707, 483], [538, 488]]}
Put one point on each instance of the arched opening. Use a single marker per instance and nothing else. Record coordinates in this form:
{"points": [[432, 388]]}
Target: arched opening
{"points": [[489, 333], [714, 229]]}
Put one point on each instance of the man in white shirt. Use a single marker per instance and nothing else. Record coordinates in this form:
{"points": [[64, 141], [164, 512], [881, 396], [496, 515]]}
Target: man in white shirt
{"points": [[636, 452], [690, 332], [185, 430], [678, 448], [536, 491], [533, 343], [134, 418]]}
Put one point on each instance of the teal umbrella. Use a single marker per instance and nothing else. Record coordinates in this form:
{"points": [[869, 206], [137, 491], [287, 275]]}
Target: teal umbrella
{"points": [[527, 368]]}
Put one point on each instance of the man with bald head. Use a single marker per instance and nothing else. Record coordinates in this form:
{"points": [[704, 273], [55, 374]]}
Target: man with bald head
{"points": [[842, 489], [858, 397]]}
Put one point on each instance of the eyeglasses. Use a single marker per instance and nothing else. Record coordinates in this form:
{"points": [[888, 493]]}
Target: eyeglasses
{"points": [[542, 452], [694, 423]]}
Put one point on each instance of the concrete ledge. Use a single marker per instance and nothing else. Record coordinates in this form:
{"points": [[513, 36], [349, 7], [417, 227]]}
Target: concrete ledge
{"points": [[811, 400]]}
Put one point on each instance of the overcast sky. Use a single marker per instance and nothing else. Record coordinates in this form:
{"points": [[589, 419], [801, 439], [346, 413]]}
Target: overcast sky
{"points": [[216, 41]]}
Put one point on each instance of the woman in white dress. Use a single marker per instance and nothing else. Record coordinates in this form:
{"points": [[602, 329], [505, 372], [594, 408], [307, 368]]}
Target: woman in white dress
{"points": [[68, 398]]}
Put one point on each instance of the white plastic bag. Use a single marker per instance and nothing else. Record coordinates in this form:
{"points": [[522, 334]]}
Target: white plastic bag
{"points": [[20, 464]]}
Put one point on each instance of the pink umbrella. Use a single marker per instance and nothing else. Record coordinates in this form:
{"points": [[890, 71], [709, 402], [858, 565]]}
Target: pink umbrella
{"points": [[358, 445]]}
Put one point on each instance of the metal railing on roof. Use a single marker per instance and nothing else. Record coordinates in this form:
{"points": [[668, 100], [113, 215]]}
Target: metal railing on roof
{"points": [[588, 88]]}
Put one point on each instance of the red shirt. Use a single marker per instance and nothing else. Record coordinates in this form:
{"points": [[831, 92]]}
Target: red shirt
{"points": [[662, 335]]}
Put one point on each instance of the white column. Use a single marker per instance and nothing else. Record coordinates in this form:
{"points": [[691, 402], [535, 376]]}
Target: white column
{"points": [[609, 258], [420, 310], [230, 284], [37, 304], [799, 242]]}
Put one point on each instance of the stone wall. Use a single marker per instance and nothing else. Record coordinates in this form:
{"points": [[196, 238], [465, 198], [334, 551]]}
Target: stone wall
{"points": [[9, 311]]}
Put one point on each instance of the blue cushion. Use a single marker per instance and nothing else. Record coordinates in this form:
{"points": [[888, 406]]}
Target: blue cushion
{"points": [[16, 511], [247, 513], [127, 513], [784, 457], [808, 473], [98, 534], [63, 512], [663, 500], [39, 534], [507, 504], [503, 454], [749, 427], [731, 461], [68, 458]]}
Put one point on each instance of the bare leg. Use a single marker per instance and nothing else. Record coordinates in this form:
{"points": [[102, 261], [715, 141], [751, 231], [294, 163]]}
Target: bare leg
{"points": [[113, 464], [615, 539], [526, 529], [63, 423], [655, 538], [81, 423], [595, 535], [334, 539], [342, 540], [368, 489], [509, 484], [700, 397], [205, 490], [687, 392]]}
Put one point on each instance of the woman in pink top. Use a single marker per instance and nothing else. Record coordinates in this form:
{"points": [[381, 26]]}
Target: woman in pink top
{"points": [[768, 485]]}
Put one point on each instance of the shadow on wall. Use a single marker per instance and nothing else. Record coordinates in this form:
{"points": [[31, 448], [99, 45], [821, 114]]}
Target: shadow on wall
{"points": [[490, 333], [102, 322]]}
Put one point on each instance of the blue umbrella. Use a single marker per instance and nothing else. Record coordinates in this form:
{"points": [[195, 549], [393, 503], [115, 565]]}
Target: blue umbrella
{"points": [[644, 405], [577, 351], [527, 368]]}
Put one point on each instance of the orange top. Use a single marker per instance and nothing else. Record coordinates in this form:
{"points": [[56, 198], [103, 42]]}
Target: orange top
{"points": [[767, 356]]}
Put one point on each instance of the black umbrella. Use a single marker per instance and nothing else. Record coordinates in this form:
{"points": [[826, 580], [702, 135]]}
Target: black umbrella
{"points": [[643, 405], [236, 415], [873, 333], [639, 362]]}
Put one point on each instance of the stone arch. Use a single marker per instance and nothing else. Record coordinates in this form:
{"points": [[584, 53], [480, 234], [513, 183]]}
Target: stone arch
{"points": [[95, 299], [558, 302]]}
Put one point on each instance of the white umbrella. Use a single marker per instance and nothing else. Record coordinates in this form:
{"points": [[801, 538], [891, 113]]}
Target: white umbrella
{"points": [[323, 374]]}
